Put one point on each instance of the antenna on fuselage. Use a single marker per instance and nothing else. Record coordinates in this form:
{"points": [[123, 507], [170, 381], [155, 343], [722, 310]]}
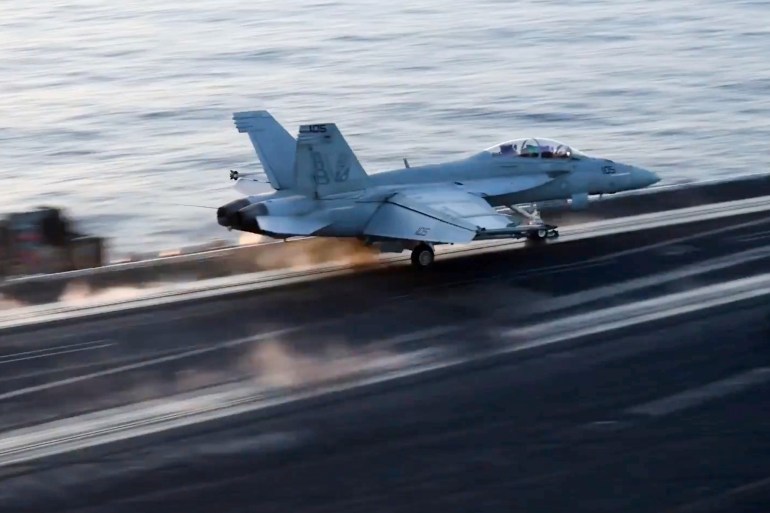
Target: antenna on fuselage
{"points": [[406, 162]]}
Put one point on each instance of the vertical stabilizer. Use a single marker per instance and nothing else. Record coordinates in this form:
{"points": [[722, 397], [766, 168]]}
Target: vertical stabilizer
{"points": [[275, 147], [325, 164]]}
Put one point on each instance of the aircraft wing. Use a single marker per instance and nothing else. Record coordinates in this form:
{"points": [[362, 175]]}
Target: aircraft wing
{"points": [[443, 215]]}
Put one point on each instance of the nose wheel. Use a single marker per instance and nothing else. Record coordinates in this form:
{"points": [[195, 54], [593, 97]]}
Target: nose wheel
{"points": [[540, 235], [423, 256]]}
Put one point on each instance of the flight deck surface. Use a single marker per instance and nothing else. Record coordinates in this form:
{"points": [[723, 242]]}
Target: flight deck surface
{"points": [[603, 421]]}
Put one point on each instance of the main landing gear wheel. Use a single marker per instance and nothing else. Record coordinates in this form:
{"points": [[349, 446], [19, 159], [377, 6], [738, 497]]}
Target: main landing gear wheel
{"points": [[542, 234], [422, 256]]}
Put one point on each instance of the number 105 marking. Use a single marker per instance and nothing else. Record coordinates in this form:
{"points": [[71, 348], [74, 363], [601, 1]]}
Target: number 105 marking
{"points": [[608, 170]]}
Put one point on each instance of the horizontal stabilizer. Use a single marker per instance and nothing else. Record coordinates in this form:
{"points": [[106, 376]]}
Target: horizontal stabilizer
{"points": [[251, 187], [292, 225]]}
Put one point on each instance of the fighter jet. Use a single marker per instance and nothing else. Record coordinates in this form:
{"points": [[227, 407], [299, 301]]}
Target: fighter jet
{"points": [[321, 189]]}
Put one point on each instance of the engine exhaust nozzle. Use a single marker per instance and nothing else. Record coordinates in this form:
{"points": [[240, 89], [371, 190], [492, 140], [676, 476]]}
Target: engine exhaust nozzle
{"points": [[246, 218], [226, 214]]}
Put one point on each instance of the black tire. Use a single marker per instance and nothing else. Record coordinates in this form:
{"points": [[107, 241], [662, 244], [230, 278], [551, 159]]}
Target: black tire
{"points": [[423, 256], [537, 237]]}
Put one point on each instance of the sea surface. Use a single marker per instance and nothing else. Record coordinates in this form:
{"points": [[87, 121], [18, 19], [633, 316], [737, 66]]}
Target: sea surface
{"points": [[120, 112]]}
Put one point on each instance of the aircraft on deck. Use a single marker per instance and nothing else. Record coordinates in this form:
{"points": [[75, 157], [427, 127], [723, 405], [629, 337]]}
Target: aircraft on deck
{"points": [[321, 189]]}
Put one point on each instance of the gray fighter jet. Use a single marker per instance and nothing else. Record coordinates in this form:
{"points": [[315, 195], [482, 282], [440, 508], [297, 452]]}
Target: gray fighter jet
{"points": [[321, 189]]}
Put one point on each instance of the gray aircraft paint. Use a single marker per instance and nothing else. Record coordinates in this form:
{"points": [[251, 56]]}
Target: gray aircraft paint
{"points": [[321, 188]]}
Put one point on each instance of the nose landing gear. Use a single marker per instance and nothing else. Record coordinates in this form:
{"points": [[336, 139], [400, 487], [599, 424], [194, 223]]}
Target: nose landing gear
{"points": [[545, 231], [540, 235]]}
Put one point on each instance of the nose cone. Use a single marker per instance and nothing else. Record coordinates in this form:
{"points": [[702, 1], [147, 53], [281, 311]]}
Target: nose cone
{"points": [[642, 178]]}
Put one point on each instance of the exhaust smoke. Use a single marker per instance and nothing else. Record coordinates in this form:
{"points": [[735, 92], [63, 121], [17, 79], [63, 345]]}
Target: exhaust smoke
{"points": [[80, 293], [248, 238], [8, 303], [306, 253], [274, 365]]}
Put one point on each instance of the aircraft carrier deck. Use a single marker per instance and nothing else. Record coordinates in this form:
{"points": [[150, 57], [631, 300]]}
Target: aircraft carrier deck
{"points": [[625, 367], [182, 265]]}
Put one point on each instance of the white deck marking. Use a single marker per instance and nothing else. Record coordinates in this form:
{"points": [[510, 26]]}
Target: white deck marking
{"points": [[48, 349], [697, 396], [98, 344], [87, 365], [641, 311], [146, 363], [384, 343], [614, 289], [415, 336], [751, 237], [71, 434]]}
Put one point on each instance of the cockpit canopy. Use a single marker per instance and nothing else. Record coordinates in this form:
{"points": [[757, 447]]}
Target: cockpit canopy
{"points": [[536, 148]]}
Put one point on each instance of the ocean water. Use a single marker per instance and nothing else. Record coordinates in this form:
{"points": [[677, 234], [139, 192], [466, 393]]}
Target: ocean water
{"points": [[119, 112]]}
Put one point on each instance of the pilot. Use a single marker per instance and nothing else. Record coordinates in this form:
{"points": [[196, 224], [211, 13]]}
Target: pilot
{"points": [[546, 152], [506, 149], [562, 152]]}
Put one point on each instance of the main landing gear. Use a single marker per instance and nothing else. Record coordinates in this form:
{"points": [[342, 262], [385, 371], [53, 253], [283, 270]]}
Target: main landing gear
{"points": [[423, 256]]}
